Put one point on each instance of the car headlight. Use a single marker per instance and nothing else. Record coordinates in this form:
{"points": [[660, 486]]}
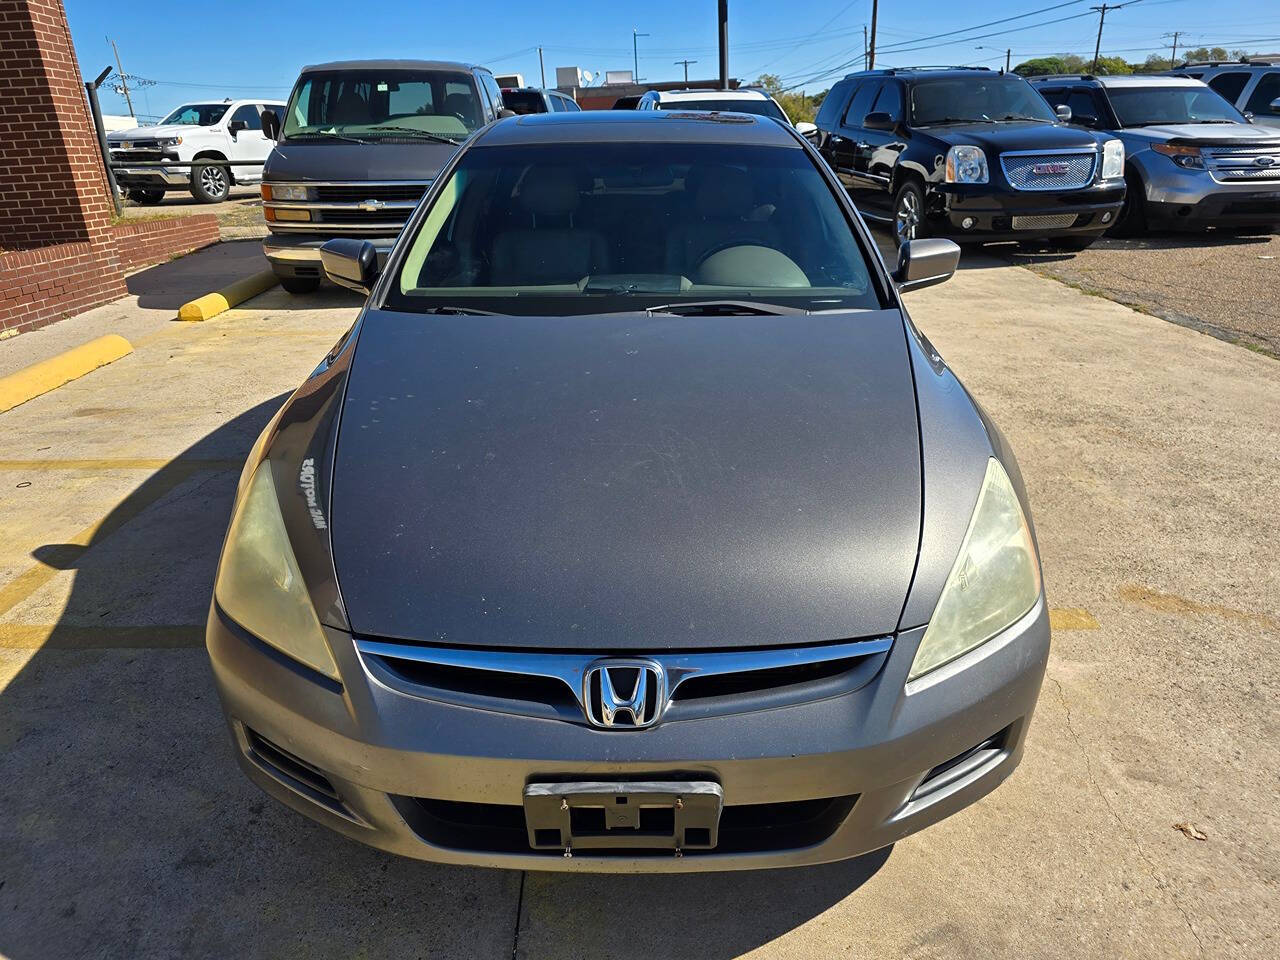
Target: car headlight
{"points": [[1189, 157], [966, 164], [287, 191], [994, 582], [171, 142], [1112, 159], [259, 584]]}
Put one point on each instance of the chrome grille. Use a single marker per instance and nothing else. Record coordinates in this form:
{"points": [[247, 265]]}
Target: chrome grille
{"points": [[1049, 170], [378, 208], [1240, 164], [1051, 221], [356, 192]]}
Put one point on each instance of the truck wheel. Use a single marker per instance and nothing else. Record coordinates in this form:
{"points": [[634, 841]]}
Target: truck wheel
{"points": [[908, 212], [148, 198], [300, 284], [1132, 219], [210, 184]]}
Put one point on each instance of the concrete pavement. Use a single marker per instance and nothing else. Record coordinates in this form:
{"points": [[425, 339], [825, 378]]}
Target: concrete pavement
{"points": [[1150, 454]]}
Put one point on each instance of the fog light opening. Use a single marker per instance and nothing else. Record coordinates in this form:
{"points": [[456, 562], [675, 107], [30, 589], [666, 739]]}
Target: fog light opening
{"points": [[968, 223], [1106, 217]]}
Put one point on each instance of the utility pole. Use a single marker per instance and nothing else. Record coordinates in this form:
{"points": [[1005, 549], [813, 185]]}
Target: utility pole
{"points": [[542, 69], [864, 46], [1102, 16], [685, 64], [871, 48], [722, 16], [1173, 57], [123, 82], [635, 53], [1008, 57]]}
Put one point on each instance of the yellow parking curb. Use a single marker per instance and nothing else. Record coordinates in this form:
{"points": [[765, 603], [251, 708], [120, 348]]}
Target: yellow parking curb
{"points": [[44, 376], [212, 304]]}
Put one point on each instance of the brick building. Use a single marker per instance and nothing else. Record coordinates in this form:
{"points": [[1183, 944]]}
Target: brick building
{"points": [[59, 252]]}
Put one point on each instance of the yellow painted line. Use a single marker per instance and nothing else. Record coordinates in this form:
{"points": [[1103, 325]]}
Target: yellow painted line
{"points": [[1072, 618], [19, 636], [121, 463], [30, 382], [212, 304]]}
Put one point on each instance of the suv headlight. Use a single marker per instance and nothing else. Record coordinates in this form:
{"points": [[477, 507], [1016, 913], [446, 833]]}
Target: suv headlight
{"points": [[287, 191], [171, 142], [259, 584], [994, 582], [1189, 157], [966, 164], [1112, 159]]}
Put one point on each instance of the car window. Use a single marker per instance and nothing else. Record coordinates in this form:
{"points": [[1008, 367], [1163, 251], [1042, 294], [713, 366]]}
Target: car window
{"points": [[1230, 85], [486, 99], [571, 105], [558, 103], [1084, 105], [197, 114], [976, 99], [598, 227], [759, 108], [524, 102], [495, 92], [1145, 106], [357, 102], [1268, 89], [249, 115], [833, 104], [889, 100], [860, 105]]}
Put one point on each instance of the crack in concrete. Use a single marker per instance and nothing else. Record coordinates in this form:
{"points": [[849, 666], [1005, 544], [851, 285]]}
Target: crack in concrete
{"points": [[1160, 883]]}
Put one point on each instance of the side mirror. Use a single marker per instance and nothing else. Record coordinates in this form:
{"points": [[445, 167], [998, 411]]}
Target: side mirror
{"points": [[1275, 105], [235, 126], [350, 263], [1248, 116], [806, 129], [1063, 112], [271, 124], [504, 113], [879, 121], [922, 263], [1085, 120]]}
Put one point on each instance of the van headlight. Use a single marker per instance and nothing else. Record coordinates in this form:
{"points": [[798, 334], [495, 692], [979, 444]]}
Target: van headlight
{"points": [[259, 585], [994, 582], [1112, 159], [966, 164]]}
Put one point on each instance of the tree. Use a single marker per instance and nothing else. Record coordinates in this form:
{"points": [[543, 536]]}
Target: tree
{"points": [[1112, 66], [1213, 53], [798, 105]]}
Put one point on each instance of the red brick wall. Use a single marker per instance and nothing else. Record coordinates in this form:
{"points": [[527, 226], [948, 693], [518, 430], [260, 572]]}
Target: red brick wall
{"points": [[38, 287], [154, 241]]}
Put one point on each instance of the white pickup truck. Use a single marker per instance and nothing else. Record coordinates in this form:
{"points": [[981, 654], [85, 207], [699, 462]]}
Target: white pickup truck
{"points": [[230, 130]]}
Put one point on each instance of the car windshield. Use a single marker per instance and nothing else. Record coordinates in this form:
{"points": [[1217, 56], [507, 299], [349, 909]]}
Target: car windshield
{"points": [[593, 228], [975, 99], [524, 101], [1144, 106], [356, 103], [196, 114], [759, 108]]}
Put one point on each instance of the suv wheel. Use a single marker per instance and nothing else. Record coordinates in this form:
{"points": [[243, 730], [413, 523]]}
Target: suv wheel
{"points": [[148, 198], [1132, 219], [908, 212], [211, 184], [300, 284]]}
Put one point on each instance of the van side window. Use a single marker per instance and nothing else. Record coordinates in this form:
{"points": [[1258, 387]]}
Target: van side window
{"points": [[1229, 85]]}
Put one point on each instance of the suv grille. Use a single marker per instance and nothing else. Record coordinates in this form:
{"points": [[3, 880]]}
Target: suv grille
{"points": [[1062, 170], [1240, 164]]}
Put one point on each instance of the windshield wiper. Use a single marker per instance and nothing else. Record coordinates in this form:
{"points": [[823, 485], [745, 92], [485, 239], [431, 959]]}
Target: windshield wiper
{"points": [[1015, 116], [469, 311], [413, 131], [945, 120], [326, 134], [723, 308]]}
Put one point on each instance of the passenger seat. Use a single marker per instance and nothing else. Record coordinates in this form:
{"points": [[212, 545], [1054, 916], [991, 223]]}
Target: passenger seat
{"points": [[552, 249]]}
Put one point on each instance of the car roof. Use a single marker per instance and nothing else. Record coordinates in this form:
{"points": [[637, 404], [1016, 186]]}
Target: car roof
{"points": [[1126, 80], [741, 93], [391, 65], [922, 73], [637, 126]]}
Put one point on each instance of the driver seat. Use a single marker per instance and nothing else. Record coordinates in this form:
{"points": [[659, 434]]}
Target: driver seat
{"points": [[723, 203], [553, 249]]}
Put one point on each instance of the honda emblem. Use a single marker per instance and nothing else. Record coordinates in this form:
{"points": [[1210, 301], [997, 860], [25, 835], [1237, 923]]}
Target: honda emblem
{"points": [[624, 694]]}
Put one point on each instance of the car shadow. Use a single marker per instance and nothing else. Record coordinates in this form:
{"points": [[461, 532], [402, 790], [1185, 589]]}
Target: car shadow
{"points": [[129, 831], [167, 286]]}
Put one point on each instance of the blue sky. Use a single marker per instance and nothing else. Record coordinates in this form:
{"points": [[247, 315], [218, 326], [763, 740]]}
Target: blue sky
{"points": [[256, 49]]}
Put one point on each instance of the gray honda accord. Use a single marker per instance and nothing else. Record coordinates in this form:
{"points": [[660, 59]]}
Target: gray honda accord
{"points": [[633, 526]]}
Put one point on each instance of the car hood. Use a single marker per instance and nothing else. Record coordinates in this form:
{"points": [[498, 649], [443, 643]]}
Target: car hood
{"points": [[336, 160], [1224, 133], [626, 481], [158, 132], [1017, 135]]}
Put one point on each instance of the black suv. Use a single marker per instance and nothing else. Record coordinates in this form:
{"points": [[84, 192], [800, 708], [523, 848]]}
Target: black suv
{"points": [[969, 154]]}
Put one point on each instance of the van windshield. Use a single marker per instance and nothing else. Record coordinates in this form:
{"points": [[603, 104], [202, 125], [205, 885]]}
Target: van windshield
{"points": [[601, 227], [356, 103], [976, 99]]}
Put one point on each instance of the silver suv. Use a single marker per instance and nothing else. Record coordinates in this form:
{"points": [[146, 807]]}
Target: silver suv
{"points": [[1253, 85]]}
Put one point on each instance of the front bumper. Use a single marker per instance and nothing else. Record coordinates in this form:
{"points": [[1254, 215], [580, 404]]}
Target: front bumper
{"points": [[990, 211], [152, 178], [298, 254], [1178, 196], [385, 757]]}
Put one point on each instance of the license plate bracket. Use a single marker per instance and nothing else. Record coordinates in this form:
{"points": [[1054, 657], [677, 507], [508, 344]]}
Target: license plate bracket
{"points": [[674, 815]]}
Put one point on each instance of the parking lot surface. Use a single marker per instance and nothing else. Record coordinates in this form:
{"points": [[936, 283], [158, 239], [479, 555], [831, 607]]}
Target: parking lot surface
{"points": [[239, 216], [1150, 452]]}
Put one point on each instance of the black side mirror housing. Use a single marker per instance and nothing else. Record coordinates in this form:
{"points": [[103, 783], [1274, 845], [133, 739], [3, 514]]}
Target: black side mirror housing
{"points": [[1085, 120], [504, 113], [350, 262], [1275, 105], [879, 121], [235, 126], [1063, 112], [922, 263], [271, 124]]}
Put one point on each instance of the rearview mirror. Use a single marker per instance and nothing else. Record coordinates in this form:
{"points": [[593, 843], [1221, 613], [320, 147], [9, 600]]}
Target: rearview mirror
{"points": [[350, 263], [1063, 112], [878, 121], [806, 129], [271, 124], [922, 263]]}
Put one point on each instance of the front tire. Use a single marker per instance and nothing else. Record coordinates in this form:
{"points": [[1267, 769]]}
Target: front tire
{"points": [[300, 285], [146, 198], [210, 183], [908, 213], [1132, 220]]}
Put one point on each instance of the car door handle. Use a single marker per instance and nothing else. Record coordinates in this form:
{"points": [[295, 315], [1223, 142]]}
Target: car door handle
{"points": [[861, 145]]}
